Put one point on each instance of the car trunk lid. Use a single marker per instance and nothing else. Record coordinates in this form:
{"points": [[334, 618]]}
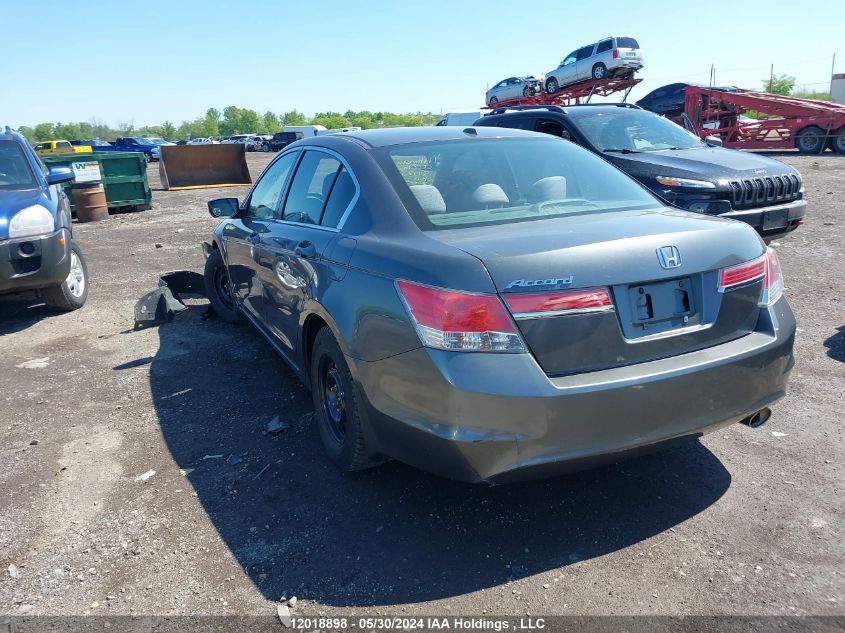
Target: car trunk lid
{"points": [[660, 270]]}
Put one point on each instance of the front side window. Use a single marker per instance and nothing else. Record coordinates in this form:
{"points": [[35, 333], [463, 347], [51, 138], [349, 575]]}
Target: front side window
{"points": [[15, 170], [569, 59], [63, 145], [455, 184], [632, 131], [264, 201], [311, 187]]}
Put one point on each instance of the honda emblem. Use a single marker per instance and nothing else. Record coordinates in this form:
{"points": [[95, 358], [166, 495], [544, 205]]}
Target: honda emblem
{"points": [[669, 256]]}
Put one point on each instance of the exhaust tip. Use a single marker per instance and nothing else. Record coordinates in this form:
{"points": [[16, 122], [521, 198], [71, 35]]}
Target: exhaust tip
{"points": [[758, 419]]}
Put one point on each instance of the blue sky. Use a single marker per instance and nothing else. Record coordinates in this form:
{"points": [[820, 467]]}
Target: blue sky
{"points": [[152, 60]]}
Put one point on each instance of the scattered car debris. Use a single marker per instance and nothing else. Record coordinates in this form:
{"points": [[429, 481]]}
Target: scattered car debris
{"points": [[165, 302], [35, 363], [233, 459], [204, 457], [14, 572], [292, 602], [145, 476], [276, 425], [283, 612], [778, 434], [261, 472], [186, 471]]}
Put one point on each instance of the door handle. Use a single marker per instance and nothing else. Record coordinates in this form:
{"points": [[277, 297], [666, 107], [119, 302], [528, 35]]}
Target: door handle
{"points": [[254, 238], [305, 249]]}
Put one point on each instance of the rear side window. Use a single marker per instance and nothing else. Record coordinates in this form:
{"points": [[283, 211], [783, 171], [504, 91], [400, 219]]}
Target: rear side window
{"points": [[310, 188], [264, 200], [585, 52], [342, 192], [63, 145], [626, 42], [604, 46]]}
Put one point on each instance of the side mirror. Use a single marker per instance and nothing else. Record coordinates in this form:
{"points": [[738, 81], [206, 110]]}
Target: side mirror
{"points": [[223, 207], [58, 175], [713, 141]]}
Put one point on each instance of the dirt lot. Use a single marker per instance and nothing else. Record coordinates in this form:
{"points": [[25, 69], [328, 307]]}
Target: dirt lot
{"points": [[744, 522]]}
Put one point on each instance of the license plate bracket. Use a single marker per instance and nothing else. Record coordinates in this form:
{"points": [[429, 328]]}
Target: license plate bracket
{"points": [[661, 302]]}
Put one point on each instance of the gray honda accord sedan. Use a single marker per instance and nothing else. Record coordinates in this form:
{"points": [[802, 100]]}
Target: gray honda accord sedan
{"points": [[491, 304]]}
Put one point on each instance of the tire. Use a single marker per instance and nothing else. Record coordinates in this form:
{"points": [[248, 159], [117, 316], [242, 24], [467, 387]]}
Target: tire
{"points": [[218, 289], [148, 158], [810, 140], [338, 409], [837, 141], [73, 291], [528, 91], [493, 101], [552, 85], [599, 71]]}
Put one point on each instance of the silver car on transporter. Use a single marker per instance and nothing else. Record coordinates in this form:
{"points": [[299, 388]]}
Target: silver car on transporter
{"points": [[489, 304], [609, 58]]}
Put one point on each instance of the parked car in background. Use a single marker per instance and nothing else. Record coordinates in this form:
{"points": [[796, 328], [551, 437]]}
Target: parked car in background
{"points": [[675, 165], [237, 138], [37, 251], [492, 304], [281, 140], [202, 141], [132, 144], [462, 117], [60, 147], [513, 88], [669, 100], [157, 140], [306, 130], [261, 142], [89, 142], [607, 58]]}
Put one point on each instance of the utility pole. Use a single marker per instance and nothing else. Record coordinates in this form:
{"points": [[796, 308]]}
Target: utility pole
{"points": [[832, 72], [771, 78]]}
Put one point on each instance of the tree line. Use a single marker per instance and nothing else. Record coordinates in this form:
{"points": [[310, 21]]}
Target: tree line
{"points": [[232, 120]]}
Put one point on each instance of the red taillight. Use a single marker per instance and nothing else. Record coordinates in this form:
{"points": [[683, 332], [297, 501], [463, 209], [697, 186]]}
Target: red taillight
{"points": [[446, 319], [742, 273], [536, 304], [766, 268], [615, 54]]}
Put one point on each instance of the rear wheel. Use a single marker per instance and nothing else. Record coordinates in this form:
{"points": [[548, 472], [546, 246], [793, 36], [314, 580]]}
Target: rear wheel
{"points": [[599, 71], [338, 409], [73, 291], [218, 289], [810, 140], [552, 85], [837, 141]]}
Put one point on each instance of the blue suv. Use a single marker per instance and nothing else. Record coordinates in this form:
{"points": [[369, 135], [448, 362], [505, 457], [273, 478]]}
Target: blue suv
{"points": [[37, 251]]}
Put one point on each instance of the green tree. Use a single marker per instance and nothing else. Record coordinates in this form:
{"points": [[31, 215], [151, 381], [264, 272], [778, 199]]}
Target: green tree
{"points": [[779, 84], [168, 131], [270, 123], [331, 120], [44, 132], [294, 118]]}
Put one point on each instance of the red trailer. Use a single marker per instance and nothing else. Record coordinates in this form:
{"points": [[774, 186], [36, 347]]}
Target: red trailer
{"points": [[570, 95], [805, 124]]}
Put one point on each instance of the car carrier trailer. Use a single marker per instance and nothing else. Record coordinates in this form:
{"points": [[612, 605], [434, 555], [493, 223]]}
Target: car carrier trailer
{"points": [[808, 125], [572, 95]]}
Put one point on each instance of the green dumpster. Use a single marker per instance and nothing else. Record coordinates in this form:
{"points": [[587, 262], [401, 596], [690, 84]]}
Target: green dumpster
{"points": [[123, 174]]}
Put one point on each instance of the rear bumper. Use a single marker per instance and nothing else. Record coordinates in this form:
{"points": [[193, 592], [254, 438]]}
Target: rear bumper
{"points": [[498, 417], [32, 263]]}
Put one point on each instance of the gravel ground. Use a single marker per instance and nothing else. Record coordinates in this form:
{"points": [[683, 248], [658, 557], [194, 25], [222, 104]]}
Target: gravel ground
{"points": [[744, 522]]}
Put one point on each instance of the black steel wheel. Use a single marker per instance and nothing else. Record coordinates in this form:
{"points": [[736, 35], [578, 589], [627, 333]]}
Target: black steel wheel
{"points": [[810, 140], [338, 409], [218, 288], [837, 141]]}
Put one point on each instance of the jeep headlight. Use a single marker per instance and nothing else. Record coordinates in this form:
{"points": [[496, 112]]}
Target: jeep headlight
{"points": [[34, 220], [684, 182]]}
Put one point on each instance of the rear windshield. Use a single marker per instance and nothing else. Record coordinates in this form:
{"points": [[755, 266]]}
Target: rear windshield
{"points": [[626, 42], [15, 169], [490, 181], [627, 130]]}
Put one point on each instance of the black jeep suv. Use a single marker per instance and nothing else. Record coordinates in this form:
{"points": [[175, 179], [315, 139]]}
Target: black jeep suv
{"points": [[677, 166]]}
